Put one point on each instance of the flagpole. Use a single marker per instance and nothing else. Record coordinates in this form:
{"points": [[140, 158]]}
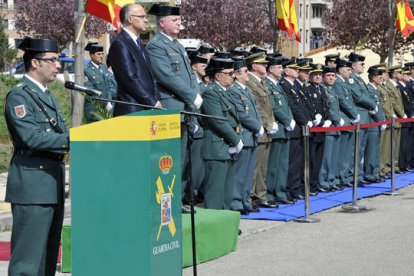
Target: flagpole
{"points": [[391, 33]]}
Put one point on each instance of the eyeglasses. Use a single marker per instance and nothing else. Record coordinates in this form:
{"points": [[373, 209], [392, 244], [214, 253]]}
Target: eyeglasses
{"points": [[140, 16], [228, 73], [49, 60]]}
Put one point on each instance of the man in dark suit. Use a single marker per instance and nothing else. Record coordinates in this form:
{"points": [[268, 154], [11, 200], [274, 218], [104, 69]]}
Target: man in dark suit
{"points": [[130, 62], [35, 183]]}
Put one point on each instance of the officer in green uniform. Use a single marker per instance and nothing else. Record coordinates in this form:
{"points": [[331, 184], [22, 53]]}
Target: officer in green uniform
{"points": [[329, 172], [222, 138], [251, 130], [35, 183], [198, 64], [176, 82], [330, 60], [350, 116], [277, 166], [365, 104], [372, 149], [98, 77]]}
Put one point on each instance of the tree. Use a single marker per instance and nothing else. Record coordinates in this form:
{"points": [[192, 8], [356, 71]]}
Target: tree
{"points": [[53, 19], [355, 25], [228, 24], [7, 54]]}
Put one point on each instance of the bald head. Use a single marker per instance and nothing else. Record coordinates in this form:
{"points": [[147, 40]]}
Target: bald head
{"points": [[133, 18]]}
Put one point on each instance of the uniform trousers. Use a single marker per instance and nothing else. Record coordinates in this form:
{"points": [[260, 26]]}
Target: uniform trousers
{"points": [[277, 169], [295, 174], [35, 239], [218, 184], [372, 156], [404, 156], [329, 173], [243, 180], [346, 161], [316, 148], [259, 189]]}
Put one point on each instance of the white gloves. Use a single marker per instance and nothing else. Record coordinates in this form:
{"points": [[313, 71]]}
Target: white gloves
{"points": [[196, 128], [341, 122], [383, 127], [374, 111], [317, 121], [260, 133], [274, 129], [327, 123], [405, 116], [291, 126], [109, 106], [158, 104], [236, 149], [310, 124], [198, 101], [394, 116], [355, 121]]}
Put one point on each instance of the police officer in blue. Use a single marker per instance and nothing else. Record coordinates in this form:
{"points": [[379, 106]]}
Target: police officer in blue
{"points": [[251, 130], [35, 184], [98, 77]]}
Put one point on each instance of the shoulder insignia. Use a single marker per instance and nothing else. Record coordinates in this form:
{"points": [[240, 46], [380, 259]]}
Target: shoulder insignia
{"points": [[85, 79], [19, 84], [351, 80], [308, 84], [20, 111]]}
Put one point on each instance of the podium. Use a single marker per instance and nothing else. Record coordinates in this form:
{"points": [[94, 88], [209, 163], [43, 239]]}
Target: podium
{"points": [[126, 195]]}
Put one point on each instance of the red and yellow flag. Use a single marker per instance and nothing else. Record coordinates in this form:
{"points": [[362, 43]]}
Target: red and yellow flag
{"points": [[108, 10], [405, 18], [287, 19]]}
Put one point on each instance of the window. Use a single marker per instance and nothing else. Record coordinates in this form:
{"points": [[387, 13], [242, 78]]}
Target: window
{"points": [[5, 23], [300, 11], [307, 34], [307, 11], [316, 12]]}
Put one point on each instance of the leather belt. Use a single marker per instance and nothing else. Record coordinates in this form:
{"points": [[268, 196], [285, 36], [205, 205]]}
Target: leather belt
{"points": [[46, 154]]}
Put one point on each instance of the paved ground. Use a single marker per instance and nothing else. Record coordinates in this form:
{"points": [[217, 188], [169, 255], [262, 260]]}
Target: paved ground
{"points": [[378, 242]]}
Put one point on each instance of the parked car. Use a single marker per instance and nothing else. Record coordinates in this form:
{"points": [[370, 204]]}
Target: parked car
{"points": [[67, 63]]}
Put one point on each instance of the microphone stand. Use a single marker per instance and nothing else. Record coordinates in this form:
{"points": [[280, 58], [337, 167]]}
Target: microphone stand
{"points": [[189, 142]]}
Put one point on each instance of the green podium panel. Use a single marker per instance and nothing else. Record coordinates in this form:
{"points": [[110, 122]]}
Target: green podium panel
{"points": [[126, 196]]}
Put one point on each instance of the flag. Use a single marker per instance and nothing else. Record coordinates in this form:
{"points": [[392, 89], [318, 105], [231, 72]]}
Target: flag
{"points": [[108, 10], [287, 19], [405, 18]]}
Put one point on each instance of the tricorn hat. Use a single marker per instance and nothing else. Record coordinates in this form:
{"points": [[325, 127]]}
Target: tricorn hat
{"points": [[93, 47], [38, 45], [161, 10]]}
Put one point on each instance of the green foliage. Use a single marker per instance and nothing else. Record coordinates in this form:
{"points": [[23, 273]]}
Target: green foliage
{"points": [[6, 84], [7, 54]]}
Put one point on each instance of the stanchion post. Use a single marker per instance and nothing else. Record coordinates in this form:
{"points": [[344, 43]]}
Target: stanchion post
{"points": [[306, 134], [393, 192], [354, 207]]}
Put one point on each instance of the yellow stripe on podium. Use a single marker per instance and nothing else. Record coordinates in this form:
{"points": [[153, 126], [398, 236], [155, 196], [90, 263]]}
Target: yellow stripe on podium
{"points": [[130, 128]]}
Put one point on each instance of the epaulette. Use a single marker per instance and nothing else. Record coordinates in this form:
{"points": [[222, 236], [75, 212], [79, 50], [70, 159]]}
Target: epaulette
{"points": [[308, 84]]}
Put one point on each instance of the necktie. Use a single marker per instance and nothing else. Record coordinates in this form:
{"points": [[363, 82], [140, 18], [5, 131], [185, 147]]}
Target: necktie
{"points": [[140, 47]]}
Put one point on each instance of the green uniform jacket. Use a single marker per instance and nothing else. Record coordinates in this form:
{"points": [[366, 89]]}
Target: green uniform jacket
{"points": [[334, 112], [98, 78], [379, 116], [281, 109], [247, 112], [395, 96], [362, 98], [346, 103], [34, 179], [176, 82], [264, 104], [219, 135], [197, 120]]}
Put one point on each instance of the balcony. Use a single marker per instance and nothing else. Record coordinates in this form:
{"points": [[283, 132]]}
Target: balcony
{"points": [[316, 23], [321, 2]]}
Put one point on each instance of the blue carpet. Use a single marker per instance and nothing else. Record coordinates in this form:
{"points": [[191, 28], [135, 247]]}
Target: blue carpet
{"points": [[324, 201]]}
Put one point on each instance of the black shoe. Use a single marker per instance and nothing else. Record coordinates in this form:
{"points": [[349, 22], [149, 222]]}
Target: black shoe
{"points": [[399, 172], [243, 212], [186, 209], [240, 232], [381, 179], [254, 210], [321, 190], [348, 184], [313, 193], [268, 205], [363, 182], [285, 201], [298, 197], [334, 188]]}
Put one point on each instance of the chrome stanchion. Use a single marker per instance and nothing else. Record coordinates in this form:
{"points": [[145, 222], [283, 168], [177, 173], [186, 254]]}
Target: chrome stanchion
{"points": [[354, 207], [393, 191], [306, 134]]}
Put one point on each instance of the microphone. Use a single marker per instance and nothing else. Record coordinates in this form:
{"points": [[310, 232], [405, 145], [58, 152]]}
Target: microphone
{"points": [[73, 86]]}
